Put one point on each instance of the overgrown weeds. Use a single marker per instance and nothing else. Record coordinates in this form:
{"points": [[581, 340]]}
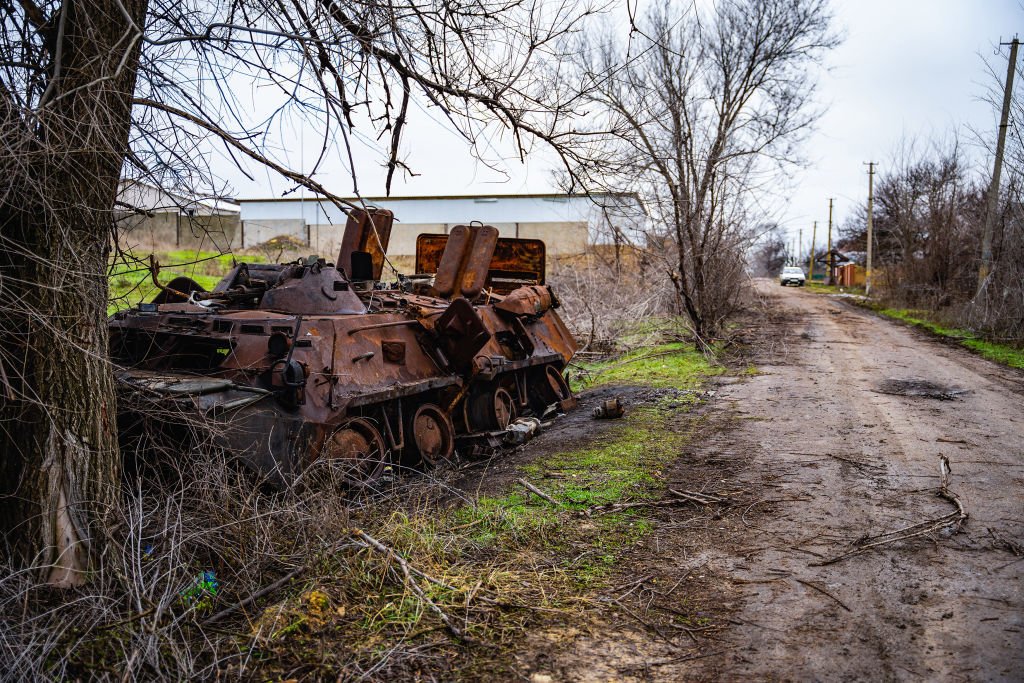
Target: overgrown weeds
{"points": [[449, 582]]}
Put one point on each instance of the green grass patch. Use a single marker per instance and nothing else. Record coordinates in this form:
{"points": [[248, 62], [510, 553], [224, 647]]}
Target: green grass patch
{"points": [[821, 288], [1000, 353], [666, 366]]}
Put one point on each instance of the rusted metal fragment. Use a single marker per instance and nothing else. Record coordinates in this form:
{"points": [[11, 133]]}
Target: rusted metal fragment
{"points": [[515, 262], [366, 232], [610, 409], [532, 300]]}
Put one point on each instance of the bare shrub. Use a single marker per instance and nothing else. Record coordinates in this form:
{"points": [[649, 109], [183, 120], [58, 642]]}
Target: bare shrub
{"points": [[604, 297]]}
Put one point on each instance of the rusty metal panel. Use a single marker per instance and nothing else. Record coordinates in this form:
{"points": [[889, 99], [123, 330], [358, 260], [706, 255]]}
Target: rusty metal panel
{"points": [[450, 262], [465, 261], [515, 261], [476, 261], [366, 231]]}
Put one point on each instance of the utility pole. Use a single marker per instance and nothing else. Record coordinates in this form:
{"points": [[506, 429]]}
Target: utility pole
{"points": [[799, 247], [831, 271], [871, 210], [993, 189], [810, 264]]}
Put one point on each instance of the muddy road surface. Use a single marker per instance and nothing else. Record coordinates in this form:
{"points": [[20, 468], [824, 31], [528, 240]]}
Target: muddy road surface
{"points": [[849, 421], [835, 447]]}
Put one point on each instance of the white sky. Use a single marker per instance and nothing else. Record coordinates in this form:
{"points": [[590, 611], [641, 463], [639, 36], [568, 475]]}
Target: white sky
{"points": [[906, 68]]}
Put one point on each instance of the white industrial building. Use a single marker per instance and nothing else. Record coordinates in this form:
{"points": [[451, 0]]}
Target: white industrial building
{"points": [[562, 221]]}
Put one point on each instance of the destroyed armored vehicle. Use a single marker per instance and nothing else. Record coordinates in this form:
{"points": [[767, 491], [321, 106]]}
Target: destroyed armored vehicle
{"points": [[318, 362]]}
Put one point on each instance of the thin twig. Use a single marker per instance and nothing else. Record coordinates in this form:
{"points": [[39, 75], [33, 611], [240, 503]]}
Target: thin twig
{"points": [[255, 596], [703, 498], [536, 490], [821, 590], [953, 519], [408, 574]]}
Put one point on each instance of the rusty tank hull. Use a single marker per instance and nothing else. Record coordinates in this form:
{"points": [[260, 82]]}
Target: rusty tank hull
{"points": [[316, 362]]}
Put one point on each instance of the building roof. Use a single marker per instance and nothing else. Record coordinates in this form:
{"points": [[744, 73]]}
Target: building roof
{"points": [[493, 209], [554, 196], [145, 198]]}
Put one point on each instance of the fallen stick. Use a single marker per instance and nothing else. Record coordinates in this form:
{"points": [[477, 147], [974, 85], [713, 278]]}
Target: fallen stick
{"points": [[856, 463], [536, 490], [686, 658], [702, 498], [953, 519], [255, 596], [821, 590], [614, 507]]}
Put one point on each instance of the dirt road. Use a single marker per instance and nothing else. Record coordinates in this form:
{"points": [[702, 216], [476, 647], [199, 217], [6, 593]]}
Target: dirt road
{"points": [[846, 460]]}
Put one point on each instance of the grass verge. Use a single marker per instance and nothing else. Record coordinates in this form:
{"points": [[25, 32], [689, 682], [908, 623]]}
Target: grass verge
{"points": [[1003, 354]]}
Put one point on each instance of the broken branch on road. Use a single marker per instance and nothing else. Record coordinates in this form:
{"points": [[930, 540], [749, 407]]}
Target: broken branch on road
{"points": [[953, 520]]}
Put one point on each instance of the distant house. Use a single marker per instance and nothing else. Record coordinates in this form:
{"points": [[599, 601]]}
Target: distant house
{"points": [[562, 221], [150, 219]]}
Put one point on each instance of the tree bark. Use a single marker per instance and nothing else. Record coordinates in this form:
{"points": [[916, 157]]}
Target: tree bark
{"points": [[60, 470]]}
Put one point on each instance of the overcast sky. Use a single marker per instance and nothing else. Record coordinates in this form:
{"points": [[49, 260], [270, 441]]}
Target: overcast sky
{"points": [[906, 69]]}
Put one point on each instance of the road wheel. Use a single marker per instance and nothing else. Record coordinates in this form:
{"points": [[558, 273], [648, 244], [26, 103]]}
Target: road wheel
{"points": [[430, 435], [547, 386], [357, 450], [489, 409]]}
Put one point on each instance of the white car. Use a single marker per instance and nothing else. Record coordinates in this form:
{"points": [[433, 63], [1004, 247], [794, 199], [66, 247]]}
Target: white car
{"points": [[792, 275]]}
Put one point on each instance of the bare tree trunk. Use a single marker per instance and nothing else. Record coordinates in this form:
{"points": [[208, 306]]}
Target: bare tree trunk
{"points": [[60, 470]]}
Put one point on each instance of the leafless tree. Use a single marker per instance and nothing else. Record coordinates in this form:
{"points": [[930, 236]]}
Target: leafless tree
{"points": [[705, 106], [769, 253], [928, 214], [97, 90]]}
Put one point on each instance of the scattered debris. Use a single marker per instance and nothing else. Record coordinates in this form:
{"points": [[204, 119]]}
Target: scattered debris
{"points": [[924, 388], [610, 410], [521, 430], [202, 591]]}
